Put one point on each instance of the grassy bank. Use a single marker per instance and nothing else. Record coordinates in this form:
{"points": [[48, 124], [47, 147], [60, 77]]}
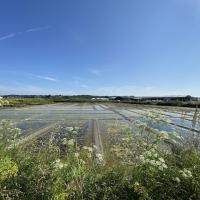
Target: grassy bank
{"points": [[30, 100]]}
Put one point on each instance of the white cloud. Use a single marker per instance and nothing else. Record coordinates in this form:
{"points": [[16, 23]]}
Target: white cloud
{"points": [[48, 78], [11, 35], [37, 29], [95, 72], [45, 78], [8, 36]]}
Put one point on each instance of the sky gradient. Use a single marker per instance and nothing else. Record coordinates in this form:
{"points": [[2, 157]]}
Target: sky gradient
{"points": [[106, 47]]}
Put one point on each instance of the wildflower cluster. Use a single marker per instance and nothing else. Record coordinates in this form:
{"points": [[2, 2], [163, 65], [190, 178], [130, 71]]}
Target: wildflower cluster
{"points": [[152, 158], [99, 159], [72, 130], [3, 102], [8, 133], [58, 164], [186, 173], [73, 155], [93, 151], [70, 142]]}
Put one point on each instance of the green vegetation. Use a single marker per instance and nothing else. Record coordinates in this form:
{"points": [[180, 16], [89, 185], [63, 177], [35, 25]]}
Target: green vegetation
{"points": [[149, 164], [20, 101]]}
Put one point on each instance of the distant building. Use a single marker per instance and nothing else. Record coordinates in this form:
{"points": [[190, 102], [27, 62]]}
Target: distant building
{"points": [[100, 99], [165, 98]]}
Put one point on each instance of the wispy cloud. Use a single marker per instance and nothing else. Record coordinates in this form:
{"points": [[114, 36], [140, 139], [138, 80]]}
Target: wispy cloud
{"points": [[11, 35], [8, 36], [95, 72], [37, 29], [45, 78]]}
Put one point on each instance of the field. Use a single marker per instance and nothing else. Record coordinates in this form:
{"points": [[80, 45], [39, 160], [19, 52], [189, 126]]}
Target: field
{"points": [[100, 151], [41, 120]]}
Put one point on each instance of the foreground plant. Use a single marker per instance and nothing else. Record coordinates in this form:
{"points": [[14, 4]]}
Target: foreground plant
{"points": [[148, 165]]}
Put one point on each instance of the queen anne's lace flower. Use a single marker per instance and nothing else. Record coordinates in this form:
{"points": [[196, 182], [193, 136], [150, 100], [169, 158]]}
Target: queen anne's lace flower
{"points": [[71, 142], [58, 164], [151, 158], [177, 179], [186, 173]]}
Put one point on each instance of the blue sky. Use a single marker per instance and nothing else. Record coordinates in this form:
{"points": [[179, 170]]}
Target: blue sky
{"points": [[106, 47]]}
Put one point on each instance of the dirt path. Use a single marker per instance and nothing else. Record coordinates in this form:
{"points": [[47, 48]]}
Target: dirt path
{"points": [[95, 137]]}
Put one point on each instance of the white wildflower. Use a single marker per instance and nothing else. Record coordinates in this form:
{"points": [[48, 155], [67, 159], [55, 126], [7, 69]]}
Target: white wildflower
{"points": [[141, 158], [147, 160], [136, 184], [186, 173], [153, 150], [158, 163], [74, 132], [155, 155], [100, 159], [76, 128], [148, 153], [71, 142], [82, 161], [69, 129], [177, 179], [152, 162], [164, 166], [162, 160], [76, 155], [58, 164]]}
